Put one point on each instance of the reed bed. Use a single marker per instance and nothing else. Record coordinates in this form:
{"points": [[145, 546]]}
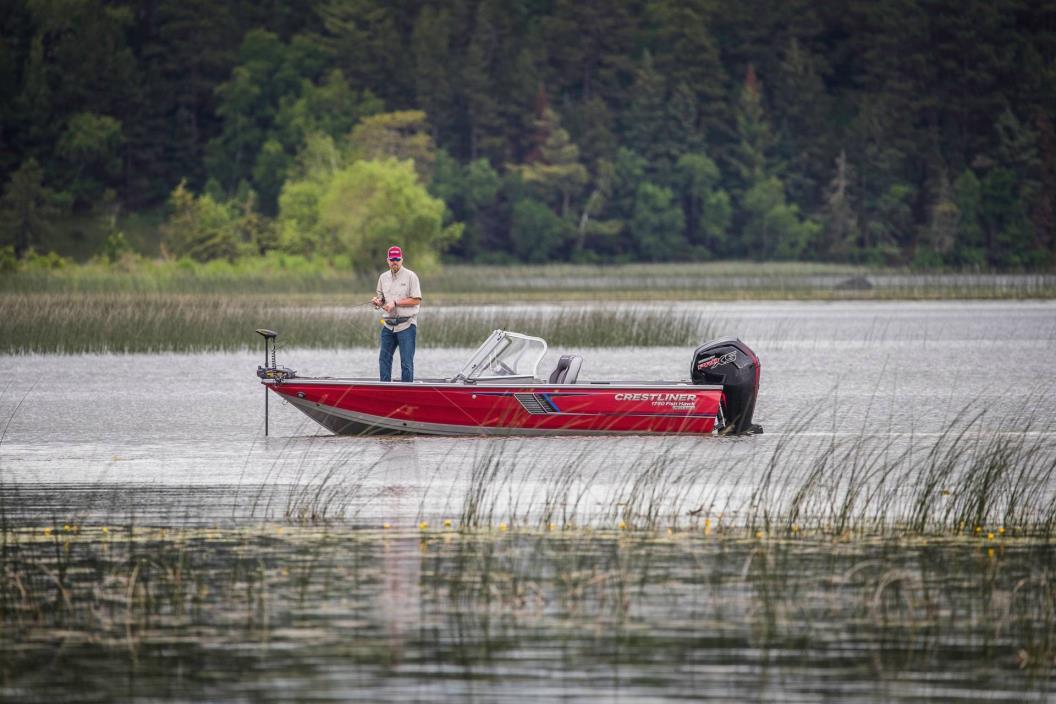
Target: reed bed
{"points": [[295, 611], [930, 563], [714, 280], [132, 323], [982, 477]]}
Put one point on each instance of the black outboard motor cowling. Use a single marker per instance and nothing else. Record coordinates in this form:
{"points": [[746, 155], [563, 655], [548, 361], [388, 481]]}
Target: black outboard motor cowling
{"points": [[731, 363]]}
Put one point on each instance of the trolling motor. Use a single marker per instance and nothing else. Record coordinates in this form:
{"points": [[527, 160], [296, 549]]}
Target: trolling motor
{"points": [[731, 363], [273, 371]]}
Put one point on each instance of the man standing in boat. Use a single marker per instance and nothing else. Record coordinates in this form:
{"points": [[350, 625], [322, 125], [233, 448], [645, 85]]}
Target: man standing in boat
{"points": [[399, 294]]}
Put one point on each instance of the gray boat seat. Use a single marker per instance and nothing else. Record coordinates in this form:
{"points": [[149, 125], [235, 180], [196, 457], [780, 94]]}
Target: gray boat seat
{"points": [[567, 369]]}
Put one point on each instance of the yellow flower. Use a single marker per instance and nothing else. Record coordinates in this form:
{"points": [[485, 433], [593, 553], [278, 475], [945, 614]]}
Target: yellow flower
{"points": [[47, 531], [447, 523], [550, 526], [106, 531], [386, 526], [760, 535], [989, 536], [423, 526], [623, 525], [502, 527]]}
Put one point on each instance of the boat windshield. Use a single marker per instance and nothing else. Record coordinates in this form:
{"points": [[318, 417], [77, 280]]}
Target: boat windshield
{"points": [[505, 354]]}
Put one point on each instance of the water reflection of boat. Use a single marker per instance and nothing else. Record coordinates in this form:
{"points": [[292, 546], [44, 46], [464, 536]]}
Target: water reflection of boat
{"points": [[497, 393]]}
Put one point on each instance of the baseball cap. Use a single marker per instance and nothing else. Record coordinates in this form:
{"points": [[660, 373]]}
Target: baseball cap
{"points": [[395, 253]]}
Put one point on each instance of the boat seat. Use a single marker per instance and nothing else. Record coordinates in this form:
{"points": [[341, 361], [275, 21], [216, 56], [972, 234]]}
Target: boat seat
{"points": [[567, 369]]}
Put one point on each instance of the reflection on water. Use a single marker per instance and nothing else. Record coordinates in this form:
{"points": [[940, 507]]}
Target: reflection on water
{"points": [[275, 580], [282, 614]]}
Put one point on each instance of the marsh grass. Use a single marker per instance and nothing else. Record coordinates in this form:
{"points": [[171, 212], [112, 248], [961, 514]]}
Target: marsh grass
{"points": [[285, 275], [930, 564], [127, 323], [563, 605], [982, 476]]}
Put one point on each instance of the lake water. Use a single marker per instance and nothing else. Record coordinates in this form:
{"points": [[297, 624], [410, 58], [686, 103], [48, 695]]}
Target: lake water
{"points": [[386, 611], [182, 435]]}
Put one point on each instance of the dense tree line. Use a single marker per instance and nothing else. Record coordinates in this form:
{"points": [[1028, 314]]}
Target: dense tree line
{"points": [[890, 131]]}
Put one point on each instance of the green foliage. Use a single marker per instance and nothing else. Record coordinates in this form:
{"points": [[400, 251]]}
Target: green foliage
{"points": [[91, 147], [890, 223], [556, 175], [269, 106], [400, 135], [967, 193], [657, 224], [330, 107], [199, 228], [538, 234], [774, 229], [357, 211], [116, 246], [27, 208], [8, 260], [575, 105], [472, 193], [839, 235], [708, 211], [1004, 219], [751, 158]]}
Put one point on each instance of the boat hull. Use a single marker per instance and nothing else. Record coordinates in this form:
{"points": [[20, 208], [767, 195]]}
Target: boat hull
{"points": [[354, 407]]}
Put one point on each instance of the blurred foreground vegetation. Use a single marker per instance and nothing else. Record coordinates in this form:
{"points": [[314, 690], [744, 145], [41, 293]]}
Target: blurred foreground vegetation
{"points": [[317, 612]]}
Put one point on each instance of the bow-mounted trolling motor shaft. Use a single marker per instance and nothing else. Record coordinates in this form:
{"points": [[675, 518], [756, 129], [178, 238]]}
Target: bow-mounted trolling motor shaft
{"points": [[272, 372]]}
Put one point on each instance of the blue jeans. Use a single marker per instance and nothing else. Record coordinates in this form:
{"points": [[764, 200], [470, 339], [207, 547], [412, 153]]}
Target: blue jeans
{"points": [[389, 341]]}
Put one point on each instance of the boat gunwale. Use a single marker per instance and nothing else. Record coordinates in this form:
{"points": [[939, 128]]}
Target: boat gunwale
{"points": [[450, 384]]}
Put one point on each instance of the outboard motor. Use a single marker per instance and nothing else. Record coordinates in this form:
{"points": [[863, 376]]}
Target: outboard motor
{"points": [[731, 363]]}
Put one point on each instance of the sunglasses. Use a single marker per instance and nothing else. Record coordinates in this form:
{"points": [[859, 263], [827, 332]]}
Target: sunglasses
{"points": [[394, 259]]}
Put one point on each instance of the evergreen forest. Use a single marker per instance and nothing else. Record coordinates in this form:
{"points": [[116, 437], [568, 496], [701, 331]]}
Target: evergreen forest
{"points": [[884, 132]]}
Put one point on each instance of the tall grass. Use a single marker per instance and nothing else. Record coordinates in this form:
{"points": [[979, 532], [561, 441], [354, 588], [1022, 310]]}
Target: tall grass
{"points": [[279, 275], [213, 614], [934, 563], [980, 475], [71, 324]]}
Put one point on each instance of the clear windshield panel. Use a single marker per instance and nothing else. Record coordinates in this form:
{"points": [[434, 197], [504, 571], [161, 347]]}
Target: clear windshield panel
{"points": [[506, 354]]}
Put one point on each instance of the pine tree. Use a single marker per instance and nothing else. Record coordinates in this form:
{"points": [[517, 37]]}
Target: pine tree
{"points": [[557, 172], [706, 207], [646, 117], [686, 54], [364, 40], [751, 157], [839, 234], [431, 44], [27, 207], [590, 43]]}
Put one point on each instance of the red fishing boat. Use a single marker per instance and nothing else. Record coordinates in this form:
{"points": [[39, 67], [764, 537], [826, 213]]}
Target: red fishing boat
{"points": [[497, 392]]}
